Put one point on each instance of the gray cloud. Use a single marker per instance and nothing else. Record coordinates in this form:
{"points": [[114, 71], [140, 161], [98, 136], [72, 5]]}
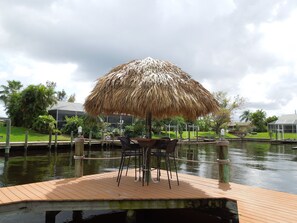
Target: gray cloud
{"points": [[209, 40]]}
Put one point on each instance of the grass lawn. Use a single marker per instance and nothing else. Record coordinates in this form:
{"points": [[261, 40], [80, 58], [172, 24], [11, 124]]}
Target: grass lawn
{"points": [[18, 135], [265, 135], [210, 134], [193, 135]]}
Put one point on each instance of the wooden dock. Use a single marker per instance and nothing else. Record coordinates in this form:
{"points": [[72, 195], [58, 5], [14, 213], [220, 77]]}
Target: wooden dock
{"points": [[100, 192], [103, 143]]}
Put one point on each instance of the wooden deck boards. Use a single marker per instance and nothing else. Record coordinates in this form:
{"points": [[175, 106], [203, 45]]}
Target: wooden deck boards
{"points": [[254, 204]]}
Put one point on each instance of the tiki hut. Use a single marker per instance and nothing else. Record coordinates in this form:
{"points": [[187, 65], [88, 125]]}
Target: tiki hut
{"points": [[149, 88]]}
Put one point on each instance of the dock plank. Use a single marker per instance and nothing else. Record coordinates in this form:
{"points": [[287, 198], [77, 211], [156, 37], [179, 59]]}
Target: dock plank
{"points": [[254, 204]]}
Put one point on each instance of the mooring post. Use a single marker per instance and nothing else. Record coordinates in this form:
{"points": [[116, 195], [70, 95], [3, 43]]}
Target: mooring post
{"points": [[50, 139], [7, 145], [189, 133], [26, 140], [71, 139], [197, 131], [79, 156], [223, 161], [56, 140], [90, 139]]}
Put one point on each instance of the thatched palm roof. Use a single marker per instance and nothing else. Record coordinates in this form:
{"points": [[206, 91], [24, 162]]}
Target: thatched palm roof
{"points": [[150, 86]]}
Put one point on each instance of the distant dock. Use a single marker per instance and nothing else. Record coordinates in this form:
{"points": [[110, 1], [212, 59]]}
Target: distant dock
{"points": [[60, 143]]}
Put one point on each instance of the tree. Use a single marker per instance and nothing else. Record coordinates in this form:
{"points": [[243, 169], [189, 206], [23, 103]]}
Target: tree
{"points": [[12, 87], [271, 119], [71, 98], [136, 129], [13, 109], [258, 119], [94, 124], [221, 119], [158, 126], [246, 116], [227, 107], [61, 95], [34, 101], [180, 124], [204, 123]]}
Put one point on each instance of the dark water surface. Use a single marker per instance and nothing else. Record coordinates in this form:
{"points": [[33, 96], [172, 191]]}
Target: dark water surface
{"points": [[257, 164]]}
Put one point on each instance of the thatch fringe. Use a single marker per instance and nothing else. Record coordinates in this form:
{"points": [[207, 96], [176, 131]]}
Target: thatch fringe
{"points": [[150, 86]]}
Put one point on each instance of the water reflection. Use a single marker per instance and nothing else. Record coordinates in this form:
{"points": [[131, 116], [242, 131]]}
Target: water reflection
{"points": [[257, 164]]}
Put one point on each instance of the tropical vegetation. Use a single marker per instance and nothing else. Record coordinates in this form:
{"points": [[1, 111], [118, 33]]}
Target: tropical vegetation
{"points": [[18, 135], [27, 108]]}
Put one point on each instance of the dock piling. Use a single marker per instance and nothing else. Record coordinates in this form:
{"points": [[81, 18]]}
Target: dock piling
{"points": [[7, 145], [56, 140], [79, 156], [50, 140], [26, 140], [90, 139], [71, 139], [223, 161]]}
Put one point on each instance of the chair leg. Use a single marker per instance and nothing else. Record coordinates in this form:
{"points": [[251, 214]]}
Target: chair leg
{"points": [[128, 164], [121, 170], [120, 166], [158, 168], [135, 167], [167, 169], [143, 169], [139, 166], [170, 167], [175, 170]]}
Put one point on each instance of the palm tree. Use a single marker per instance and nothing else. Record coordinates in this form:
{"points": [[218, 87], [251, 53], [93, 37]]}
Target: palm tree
{"points": [[12, 87], [246, 116]]}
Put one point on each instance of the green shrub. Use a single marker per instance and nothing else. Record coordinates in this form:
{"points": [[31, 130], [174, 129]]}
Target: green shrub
{"points": [[45, 124], [72, 124]]}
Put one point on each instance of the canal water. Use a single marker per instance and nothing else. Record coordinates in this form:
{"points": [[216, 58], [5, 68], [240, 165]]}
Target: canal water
{"points": [[256, 164]]}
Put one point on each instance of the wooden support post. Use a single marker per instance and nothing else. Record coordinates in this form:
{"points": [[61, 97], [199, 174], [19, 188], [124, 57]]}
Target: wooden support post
{"points": [[71, 139], [189, 133], [7, 145], [26, 139], [131, 216], [50, 139], [56, 140], [79, 156], [197, 131], [223, 161], [50, 216], [90, 139], [77, 216]]}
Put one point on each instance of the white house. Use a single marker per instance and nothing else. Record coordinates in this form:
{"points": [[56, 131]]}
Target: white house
{"points": [[284, 124]]}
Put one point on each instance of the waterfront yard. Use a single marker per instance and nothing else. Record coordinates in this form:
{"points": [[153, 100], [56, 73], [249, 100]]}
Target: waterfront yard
{"points": [[18, 135]]}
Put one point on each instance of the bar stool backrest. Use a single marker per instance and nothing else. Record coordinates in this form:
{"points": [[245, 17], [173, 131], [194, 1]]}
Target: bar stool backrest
{"points": [[171, 146], [125, 143]]}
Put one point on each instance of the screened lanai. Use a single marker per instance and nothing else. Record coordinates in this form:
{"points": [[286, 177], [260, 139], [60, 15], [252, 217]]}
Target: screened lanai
{"points": [[284, 124], [63, 109], [69, 109]]}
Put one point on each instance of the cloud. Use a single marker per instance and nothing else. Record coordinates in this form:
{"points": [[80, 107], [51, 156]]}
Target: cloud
{"points": [[228, 45]]}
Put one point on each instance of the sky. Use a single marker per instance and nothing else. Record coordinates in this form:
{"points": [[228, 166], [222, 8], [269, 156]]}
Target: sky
{"points": [[242, 47]]}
